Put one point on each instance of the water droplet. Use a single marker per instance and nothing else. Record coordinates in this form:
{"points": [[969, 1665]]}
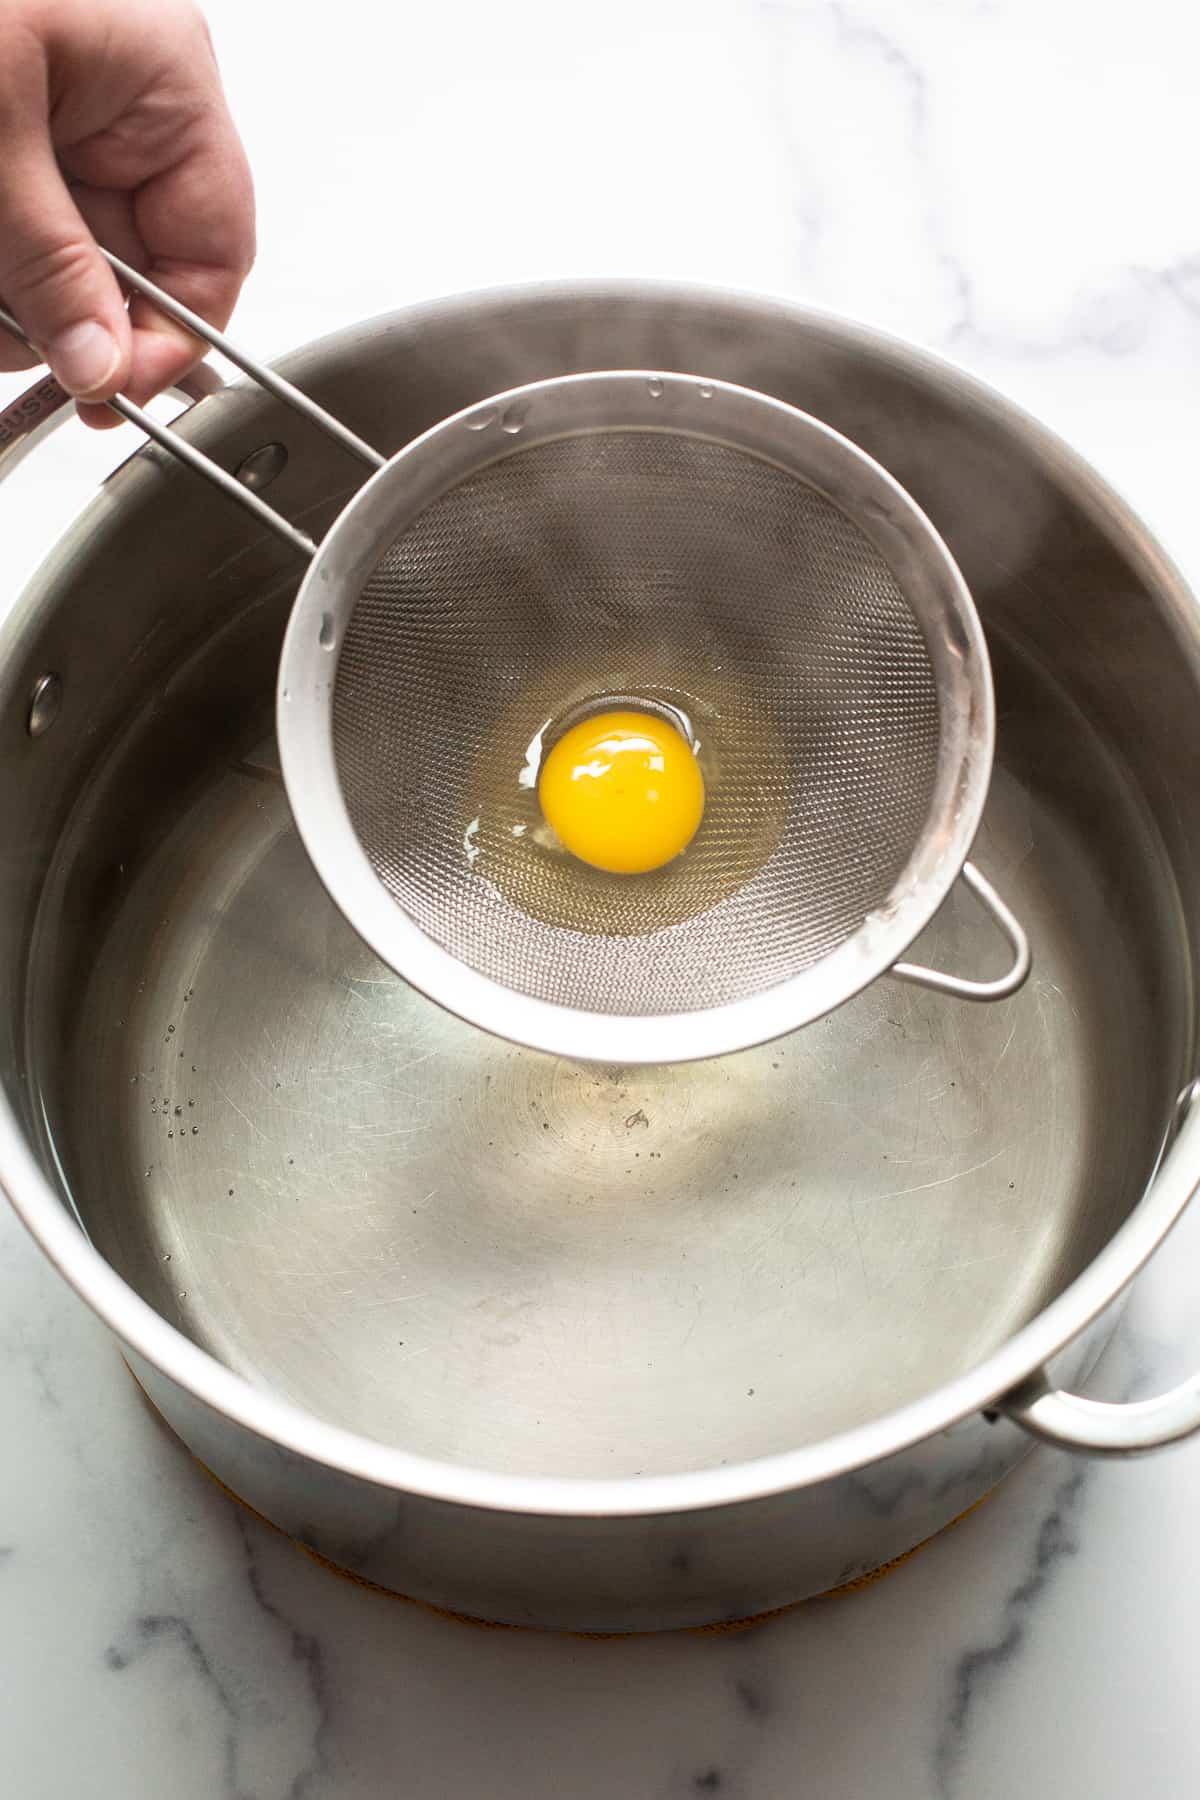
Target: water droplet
{"points": [[179, 1112], [133, 1081], [706, 392], [514, 418], [191, 1103], [286, 695], [166, 1256], [231, 1193], [655, 388], [325, 637], [479, 421], [195, 1131], [170, 1031], [170, 1134], [183, 1293]]}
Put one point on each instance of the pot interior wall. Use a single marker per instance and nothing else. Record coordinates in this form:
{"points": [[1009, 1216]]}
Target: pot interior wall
{"points": [[498, 1258]]}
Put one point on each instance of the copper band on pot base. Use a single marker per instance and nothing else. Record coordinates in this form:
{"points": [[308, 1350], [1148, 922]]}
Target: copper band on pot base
{"points": [[718, 1627]]}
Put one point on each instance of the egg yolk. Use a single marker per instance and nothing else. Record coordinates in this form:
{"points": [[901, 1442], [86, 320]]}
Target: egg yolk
{"points": [[622, 791]]}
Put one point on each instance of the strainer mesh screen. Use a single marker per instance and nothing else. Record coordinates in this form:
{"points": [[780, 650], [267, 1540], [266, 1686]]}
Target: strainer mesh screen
{"points": [[637, 563]]}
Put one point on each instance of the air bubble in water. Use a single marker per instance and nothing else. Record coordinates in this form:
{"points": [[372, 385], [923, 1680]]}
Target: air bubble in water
{"points": [[655, 388]]}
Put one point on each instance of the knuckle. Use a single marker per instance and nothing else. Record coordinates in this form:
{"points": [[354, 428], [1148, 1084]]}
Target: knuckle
{"points": [[49, 274]]}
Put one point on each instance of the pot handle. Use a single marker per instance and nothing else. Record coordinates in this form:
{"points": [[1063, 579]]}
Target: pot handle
{"points": [[42, 408], [1102, 1427], [962, 986]]}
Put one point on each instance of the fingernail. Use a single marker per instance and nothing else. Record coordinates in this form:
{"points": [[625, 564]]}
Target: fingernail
{"points": [[84, 358]]}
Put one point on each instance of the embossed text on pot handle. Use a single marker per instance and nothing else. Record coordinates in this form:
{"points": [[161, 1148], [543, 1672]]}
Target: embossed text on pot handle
{"points": [[43, 407]]}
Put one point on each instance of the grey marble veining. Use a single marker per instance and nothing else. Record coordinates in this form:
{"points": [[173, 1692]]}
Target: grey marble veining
{"points": [[169, 1644], [1012, 184]]}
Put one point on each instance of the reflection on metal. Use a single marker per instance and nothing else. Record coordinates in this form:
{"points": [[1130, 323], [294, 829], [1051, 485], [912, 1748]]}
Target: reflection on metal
{"points": [[44, 704], [262, 466]]}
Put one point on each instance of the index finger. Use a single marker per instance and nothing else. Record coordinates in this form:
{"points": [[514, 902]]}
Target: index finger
{"points": [[188, 198], [196, 224]]}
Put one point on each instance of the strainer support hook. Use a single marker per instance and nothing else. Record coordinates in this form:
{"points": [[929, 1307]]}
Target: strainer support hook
{"points": [[964, 987]]}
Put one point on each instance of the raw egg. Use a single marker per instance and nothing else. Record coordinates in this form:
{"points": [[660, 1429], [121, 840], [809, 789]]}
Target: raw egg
{"points": [[623, 792]]}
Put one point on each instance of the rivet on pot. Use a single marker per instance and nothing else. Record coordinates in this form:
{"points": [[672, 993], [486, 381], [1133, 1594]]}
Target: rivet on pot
{"points": [[44, 704], [262, 466]]}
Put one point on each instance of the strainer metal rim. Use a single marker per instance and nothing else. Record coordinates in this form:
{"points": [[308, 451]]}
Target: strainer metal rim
{"points": [[541, 412]]}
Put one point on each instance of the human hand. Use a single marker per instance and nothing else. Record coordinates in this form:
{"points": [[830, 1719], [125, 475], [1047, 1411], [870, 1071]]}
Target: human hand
{"points": [[113, 123]]}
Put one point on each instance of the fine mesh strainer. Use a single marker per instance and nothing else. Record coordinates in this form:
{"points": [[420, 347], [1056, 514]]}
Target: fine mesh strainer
{"points": [[675, 544]]}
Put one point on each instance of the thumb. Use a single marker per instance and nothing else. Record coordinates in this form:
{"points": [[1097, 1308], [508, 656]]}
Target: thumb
{"points": [[53, 278]]}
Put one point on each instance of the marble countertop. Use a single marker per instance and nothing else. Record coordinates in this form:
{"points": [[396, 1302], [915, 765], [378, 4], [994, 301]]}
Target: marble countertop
{"points": [[1011, 183]]}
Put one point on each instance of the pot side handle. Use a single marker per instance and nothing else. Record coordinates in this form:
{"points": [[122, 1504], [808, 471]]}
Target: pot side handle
{"points": [[43, 407], [1100, 1427]]}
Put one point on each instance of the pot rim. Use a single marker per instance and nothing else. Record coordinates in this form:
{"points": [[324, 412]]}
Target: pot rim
{"points": [[294, 1429]]}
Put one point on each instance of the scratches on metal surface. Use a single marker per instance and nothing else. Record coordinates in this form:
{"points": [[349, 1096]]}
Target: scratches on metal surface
{"points": [[940, 1181], [245, 1116]]}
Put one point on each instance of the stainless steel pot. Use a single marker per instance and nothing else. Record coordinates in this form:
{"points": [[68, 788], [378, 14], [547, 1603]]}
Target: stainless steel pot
{"points": [[546, 1343]]}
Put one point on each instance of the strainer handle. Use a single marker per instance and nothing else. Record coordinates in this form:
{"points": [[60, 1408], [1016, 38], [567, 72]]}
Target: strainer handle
{"points": [[963, 986], [186, 453], [1101, 1427]]}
